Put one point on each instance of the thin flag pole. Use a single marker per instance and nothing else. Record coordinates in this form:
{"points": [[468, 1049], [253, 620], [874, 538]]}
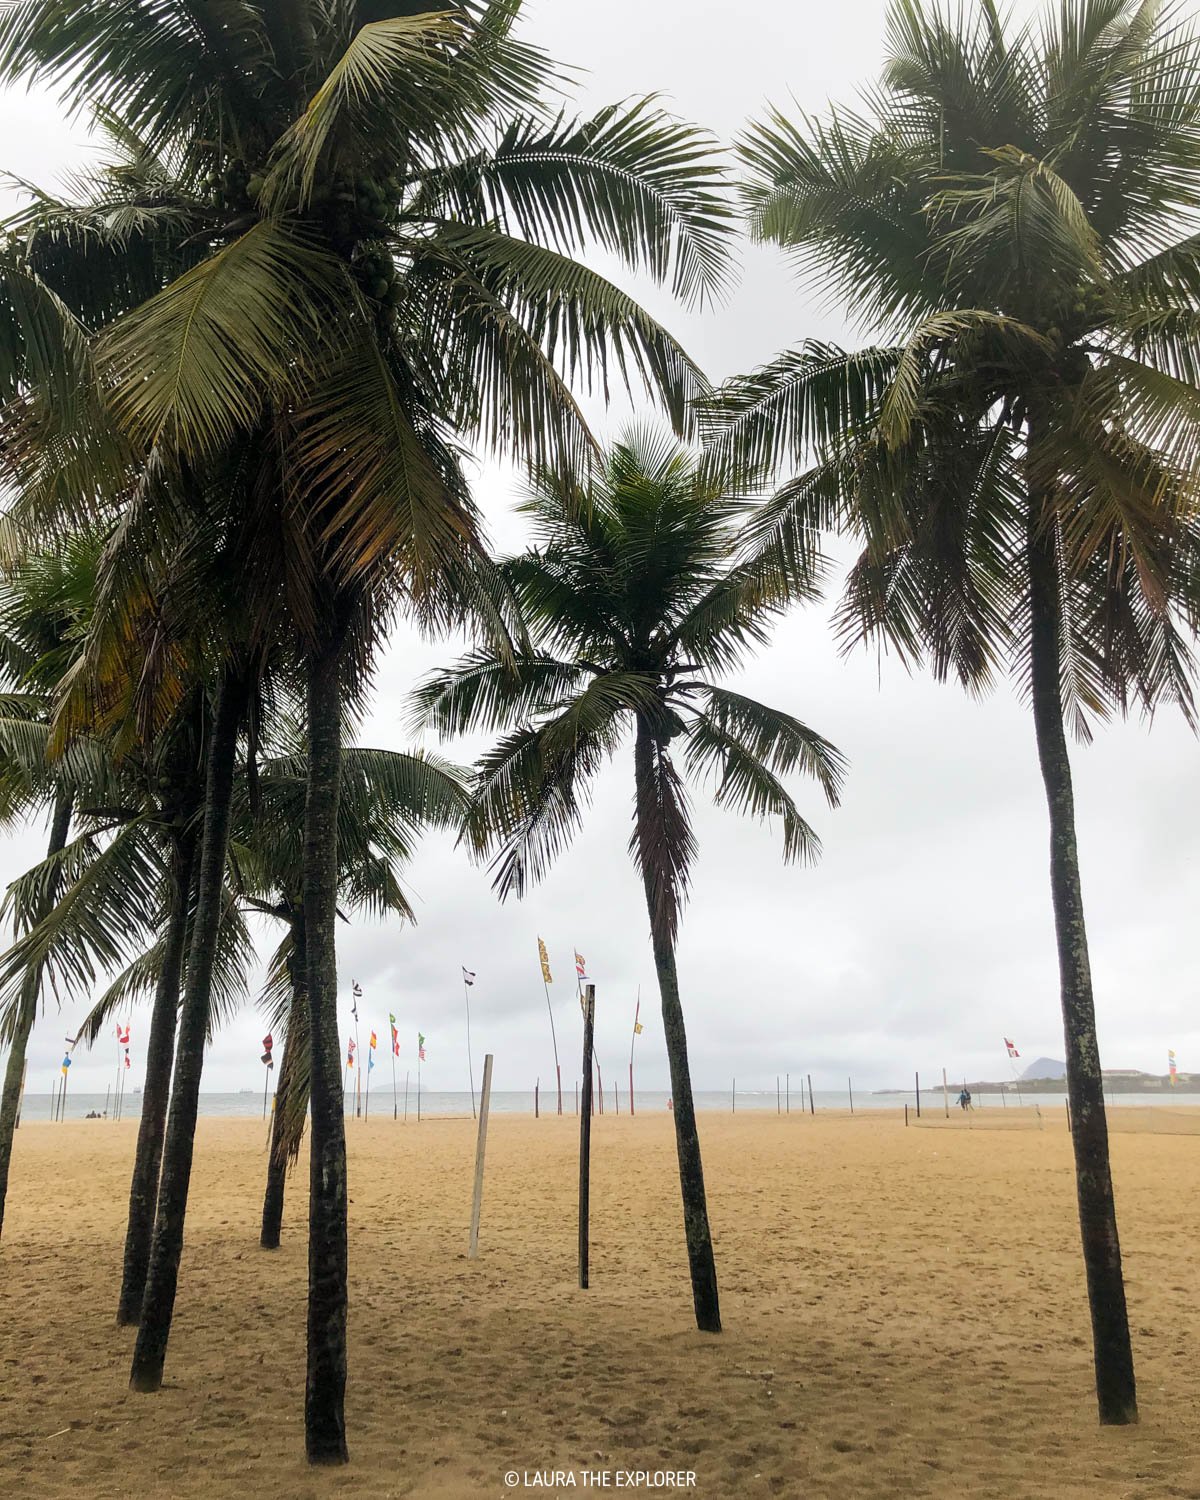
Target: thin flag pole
{"points": [[545, 963], [406, 1096], [107, 1092], [395, 1101], [470, 1065], [420, 1059], [356, 991], [636, 1028], [367, 1103]]}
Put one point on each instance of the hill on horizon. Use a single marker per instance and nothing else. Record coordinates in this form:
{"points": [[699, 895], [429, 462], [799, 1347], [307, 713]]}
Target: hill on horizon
{"points": [[1045, 1067]]}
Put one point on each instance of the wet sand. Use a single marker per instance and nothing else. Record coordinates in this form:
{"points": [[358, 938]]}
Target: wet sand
{"points": [[904, 1315]]}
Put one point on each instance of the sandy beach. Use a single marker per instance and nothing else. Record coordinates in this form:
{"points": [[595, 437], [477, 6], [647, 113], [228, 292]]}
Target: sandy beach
{"points": [[903, 1308]]}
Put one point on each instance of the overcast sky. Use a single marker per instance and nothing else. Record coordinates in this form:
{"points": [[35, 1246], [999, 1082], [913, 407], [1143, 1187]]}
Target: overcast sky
{"points": [[925, 934]]}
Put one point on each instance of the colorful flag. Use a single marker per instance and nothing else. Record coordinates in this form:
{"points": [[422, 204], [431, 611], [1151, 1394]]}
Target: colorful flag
{"points": [[1012, 1050], [420, 1046], [370, 1061], [123, 1036], [127, 1062], [356, 991], [395, 1036], [374, 1042], [637, 1028], [350, 1053], [580, 966], [544, 959], [66, 1063], [1171, 1066], [266, 1059], [468, 976]]}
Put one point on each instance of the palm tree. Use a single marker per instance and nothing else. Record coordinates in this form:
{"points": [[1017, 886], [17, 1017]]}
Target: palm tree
{"points": [[1017, 455], [634, 599], [40, 605], [394, 215], [388, 799]]}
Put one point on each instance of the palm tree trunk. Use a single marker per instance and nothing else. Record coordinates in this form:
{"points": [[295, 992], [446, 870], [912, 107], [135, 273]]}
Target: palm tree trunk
{"points": [[31, 985], [158, 1306], [285, 1138], [156, 1089], [1112, 1354], [325, 1387], [687, 1141]]}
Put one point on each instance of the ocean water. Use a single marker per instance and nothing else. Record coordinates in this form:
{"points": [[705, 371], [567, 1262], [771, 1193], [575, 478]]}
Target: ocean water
{"points": [[249, 1103]]}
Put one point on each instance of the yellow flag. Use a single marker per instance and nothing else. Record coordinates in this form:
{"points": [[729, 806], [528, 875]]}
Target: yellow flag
{"points": [[545, 962], [637, 1028]]}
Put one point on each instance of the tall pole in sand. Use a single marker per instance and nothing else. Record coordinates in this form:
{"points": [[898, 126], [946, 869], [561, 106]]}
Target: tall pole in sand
{"points": [[637, 1027], [812, 1108], [356, 991], [485, 1100], [420, 1060], [395, 1051], [468, 981], [917, 1077], [850, 1086], [585, 1131], [406, 1097], [547, 980]]}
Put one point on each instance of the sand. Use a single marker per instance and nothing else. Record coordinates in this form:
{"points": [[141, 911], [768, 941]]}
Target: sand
{"points": [[904, 1315]]}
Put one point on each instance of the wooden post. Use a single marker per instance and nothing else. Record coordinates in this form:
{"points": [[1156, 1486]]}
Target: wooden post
{"points": [[850, 1086], [406, 1096], [536, 1086], [917, 1076], [617, 1094], [812, 1108], [630, 1088], [778, 1104], [787, 1087], [577, 1096], [733, 1098], [946, 1093], [485, 1098], [906, 1117], [1069, 1126], [585, 1130]]}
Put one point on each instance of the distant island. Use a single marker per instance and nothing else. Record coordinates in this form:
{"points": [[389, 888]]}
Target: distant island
{"points": [[1048, 1076]]}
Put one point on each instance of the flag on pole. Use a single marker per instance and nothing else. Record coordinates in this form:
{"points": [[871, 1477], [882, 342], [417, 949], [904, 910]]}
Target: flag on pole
{"points": [[66, 1063], [267, 1043], [544, 959], [637, 1028], [350, 1053], [580, 966], [468, 975], [395, 1035], [374, 1042], [370, 1061], [123, 1036], [356, 991], [1171, 1066], [127, 1062], [420, 1046], [1012, 1050]]}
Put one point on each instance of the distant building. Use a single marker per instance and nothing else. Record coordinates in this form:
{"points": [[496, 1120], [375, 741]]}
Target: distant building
{"points": [[1124, 1073]]}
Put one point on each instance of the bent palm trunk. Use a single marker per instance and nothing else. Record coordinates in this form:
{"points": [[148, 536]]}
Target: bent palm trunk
{"points": [[156, 1089], [1113, 1357], [287, 1128], [10, 1101], [325, 1385], [158, 1305], [687, 1140]]}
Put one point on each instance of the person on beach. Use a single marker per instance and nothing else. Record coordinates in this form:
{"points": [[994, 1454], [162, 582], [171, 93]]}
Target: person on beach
{"points": [[964, 1099]]}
